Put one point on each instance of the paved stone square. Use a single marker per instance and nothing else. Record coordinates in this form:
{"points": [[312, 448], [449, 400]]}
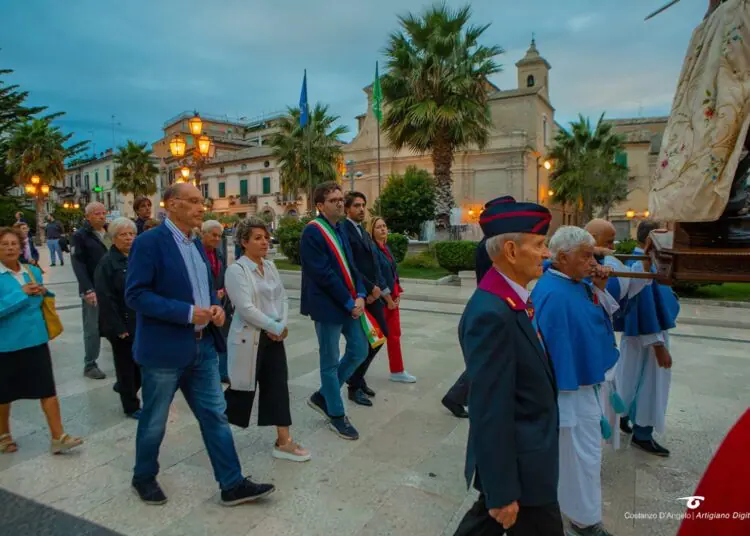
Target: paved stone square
{"points": [[404, 475]]}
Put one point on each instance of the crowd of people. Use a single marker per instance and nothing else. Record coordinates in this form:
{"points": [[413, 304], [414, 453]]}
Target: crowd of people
{"points": [[544, 387], [179, 316]]}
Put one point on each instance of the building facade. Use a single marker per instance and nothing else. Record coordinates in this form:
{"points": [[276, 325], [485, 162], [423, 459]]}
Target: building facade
{"points": [[642, 141], [93, 180]]}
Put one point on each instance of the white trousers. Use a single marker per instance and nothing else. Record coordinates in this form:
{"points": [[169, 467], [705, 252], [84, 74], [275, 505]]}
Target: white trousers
{"points": [[580, 485]]}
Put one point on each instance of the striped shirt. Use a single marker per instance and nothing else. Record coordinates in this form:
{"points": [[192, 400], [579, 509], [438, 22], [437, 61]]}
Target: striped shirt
{"points": [[196, 269]]}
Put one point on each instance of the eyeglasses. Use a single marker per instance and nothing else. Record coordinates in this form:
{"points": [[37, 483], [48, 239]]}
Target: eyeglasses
{"points": [[335, 200]]}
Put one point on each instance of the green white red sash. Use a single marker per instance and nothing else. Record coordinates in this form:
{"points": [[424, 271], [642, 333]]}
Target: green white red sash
{"points": [[369, 325]]}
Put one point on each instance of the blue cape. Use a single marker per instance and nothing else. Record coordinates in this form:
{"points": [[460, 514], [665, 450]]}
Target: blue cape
{"points": [[653, 310], [576, 331]]}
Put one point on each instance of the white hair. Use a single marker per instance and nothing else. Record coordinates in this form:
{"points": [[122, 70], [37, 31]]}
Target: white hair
{"points": [[210, 225], [495, 244], [91, 207], [118, 224], [569, 238]]}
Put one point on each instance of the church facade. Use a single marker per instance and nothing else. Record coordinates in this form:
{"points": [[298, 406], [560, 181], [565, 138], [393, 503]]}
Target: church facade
{"points": [[512, 163]]}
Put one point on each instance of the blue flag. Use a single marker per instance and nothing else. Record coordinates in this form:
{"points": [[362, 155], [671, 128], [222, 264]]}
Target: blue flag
{"points": [[303, 109]]}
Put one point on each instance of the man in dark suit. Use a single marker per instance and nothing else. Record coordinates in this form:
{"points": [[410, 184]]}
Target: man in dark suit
{"points": [[457, 397], [212, 233], [366, 263], [333, 296], [512, 452], [178, 317]]}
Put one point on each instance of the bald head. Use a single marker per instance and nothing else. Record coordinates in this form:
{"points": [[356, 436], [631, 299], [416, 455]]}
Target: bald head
{"points": [[603, 232]]}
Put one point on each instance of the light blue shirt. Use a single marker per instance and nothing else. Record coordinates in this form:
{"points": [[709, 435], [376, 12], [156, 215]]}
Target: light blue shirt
{"points": [[196, 269]]}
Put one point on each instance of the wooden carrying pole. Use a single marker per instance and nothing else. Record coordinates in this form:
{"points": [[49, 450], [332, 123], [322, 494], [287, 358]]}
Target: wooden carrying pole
{"points": [[634, 275]]}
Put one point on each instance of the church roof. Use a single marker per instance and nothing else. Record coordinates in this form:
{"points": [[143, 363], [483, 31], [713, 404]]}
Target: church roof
{"points": [[532, 57], [638, 120]]}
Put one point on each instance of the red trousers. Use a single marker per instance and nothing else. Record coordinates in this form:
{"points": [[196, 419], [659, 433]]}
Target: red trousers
{"points": [[393, 340]]}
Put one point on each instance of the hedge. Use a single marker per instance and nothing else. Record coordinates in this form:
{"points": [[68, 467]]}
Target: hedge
{"points": [[399, 245], [289, 234], [456, 255]]}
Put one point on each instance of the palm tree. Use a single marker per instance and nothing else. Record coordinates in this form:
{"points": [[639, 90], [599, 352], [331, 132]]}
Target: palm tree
{"points": [[307, 153], [436, 90], [35, 147], [135, 172], [587, 174]]}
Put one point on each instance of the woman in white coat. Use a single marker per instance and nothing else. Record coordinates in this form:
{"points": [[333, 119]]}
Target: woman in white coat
{"points": [[256, 355]]}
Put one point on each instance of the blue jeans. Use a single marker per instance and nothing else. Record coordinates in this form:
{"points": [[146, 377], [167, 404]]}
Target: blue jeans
{"points": [[200, 384], [223, 366], [54, 247], [335, 372]]}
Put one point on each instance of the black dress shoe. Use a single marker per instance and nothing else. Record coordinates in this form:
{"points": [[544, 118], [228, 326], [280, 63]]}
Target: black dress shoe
{"points": [[246, 491], [366, 390], [457, 409], [359, 397], [149, 492], [651, 446]]}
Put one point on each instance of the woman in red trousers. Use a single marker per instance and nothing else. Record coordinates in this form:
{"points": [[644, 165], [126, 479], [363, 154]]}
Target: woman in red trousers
{"points": [[379, 232]]}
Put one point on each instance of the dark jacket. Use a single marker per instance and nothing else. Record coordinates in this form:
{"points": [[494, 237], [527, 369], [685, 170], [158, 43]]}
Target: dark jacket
{"points": [[513, 415], [32, 249], [115, 318], [139, 223], [389, 269], [366, 262], [88, 250], [482, 260], [218, 282], [53, 231], [158, 288], [324, 295]]}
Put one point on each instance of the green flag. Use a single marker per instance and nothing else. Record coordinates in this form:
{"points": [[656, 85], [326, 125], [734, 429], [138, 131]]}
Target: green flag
{"points": [[377, 97]]}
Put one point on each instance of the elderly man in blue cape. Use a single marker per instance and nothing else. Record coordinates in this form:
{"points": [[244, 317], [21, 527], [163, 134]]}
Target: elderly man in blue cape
{"points": [[624, 290], [512, 451], [643, 374], [577, 332]]}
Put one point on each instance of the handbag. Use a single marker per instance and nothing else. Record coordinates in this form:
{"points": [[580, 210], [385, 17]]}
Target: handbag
{"points": [[49, 312]]}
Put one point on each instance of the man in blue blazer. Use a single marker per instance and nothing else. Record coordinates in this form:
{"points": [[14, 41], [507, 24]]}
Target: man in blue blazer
{"points": [[178, 317], [334, 298]]}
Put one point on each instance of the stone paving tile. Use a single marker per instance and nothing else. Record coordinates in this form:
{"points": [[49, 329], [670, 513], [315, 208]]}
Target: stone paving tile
{"points": [[403, 476]]}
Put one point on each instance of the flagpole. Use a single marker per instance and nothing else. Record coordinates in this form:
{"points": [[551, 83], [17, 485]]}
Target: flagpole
{"points": [[309, 166], [378, 115], [378, 159]]}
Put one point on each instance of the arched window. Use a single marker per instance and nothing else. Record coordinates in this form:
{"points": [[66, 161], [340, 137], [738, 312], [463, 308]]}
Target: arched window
{"points": [[530, 81]]}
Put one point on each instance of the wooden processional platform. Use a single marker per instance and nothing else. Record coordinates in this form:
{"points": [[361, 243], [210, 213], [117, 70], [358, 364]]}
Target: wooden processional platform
{"points": [[678, 261]]}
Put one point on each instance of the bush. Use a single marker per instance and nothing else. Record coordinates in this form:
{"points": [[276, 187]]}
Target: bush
{"points": [[424, 260], [289, 234], [456, 255], [399, 245], [8, 208], [69, 218], [626, 247], [407, 201]]}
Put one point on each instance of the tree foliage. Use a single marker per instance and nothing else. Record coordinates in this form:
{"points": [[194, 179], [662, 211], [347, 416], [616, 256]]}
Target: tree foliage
{"points": [[408, 200], [587, 174], [436, 90], [315, 149], [135, 172]]}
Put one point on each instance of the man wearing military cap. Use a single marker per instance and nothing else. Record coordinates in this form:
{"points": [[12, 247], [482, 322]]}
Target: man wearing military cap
{"points": [[512, 452]]}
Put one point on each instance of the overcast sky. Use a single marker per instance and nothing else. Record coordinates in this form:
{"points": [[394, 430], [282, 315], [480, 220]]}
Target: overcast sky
{"points": [[146, 61]]}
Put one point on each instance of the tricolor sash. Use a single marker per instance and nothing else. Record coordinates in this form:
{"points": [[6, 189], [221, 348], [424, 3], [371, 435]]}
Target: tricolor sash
{"points": [[372, 331]]}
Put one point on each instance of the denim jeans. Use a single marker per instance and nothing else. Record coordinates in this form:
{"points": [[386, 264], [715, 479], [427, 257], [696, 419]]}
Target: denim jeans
{"points": [[91, 341], [54, 247], [334, 372], [223, 365], [200, 384]]}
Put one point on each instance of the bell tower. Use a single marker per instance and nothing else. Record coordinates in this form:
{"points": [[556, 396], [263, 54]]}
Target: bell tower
{"points": [[533, 70]]}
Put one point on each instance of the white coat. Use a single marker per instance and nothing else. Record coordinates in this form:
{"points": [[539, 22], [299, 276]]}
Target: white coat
{"points": [[249, 319]]}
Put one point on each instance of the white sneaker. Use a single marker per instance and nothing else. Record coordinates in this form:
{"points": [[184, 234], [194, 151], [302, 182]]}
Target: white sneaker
{"points": [[292, 452], [403, 377]]}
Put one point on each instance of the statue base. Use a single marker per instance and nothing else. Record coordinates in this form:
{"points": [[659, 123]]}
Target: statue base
{"points": [[684, 255]]}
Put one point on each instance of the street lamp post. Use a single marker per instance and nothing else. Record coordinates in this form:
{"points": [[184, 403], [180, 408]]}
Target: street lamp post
{"points": [[352, 175], [546, 165], [36, 189], [198, 154]]}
